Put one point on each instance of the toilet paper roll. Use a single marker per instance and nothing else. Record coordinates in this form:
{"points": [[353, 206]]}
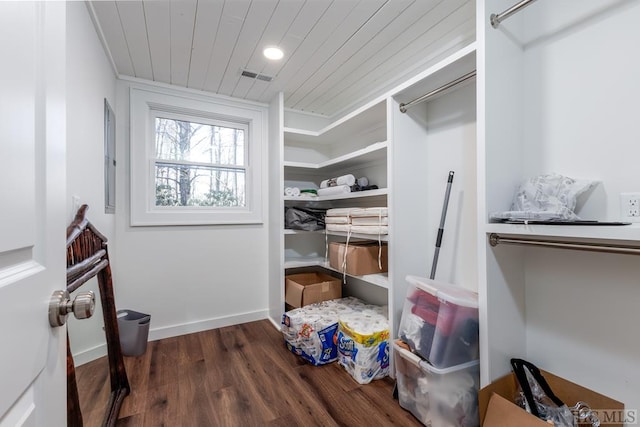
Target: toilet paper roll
{"points": [[340, 180]]}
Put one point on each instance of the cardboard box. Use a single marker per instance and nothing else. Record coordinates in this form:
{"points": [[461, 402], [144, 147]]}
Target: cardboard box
{"points": [[362, 257], [306, 288], [498, 410]]}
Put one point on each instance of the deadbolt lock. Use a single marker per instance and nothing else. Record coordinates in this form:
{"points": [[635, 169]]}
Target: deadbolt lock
{"points": [[61, 305]]}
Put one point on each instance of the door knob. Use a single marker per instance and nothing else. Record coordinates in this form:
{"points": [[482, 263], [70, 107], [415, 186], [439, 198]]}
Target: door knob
{"points": [[61, 305]]}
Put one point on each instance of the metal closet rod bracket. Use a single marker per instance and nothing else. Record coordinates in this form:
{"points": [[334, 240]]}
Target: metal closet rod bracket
{"points": [[496, 19], [496, 239]]}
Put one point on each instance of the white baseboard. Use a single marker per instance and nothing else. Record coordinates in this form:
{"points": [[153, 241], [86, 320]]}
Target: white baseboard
{"points": [[85, 356], [275, 324], [205, 325]]}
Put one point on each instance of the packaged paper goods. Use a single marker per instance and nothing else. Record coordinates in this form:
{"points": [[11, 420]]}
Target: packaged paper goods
{"points": [[310, 331], [363, 345]]}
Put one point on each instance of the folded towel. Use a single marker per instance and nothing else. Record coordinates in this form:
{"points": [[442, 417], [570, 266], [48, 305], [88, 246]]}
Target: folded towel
{"points": [[337, 219], [339, 211], [370, 229], [376, 211], [370, 220], [338, 227], [332, 191], [292, 191], [340, 180]]}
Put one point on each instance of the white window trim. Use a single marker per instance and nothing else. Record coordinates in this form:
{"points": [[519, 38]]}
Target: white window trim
{"points": [[144, 104]]}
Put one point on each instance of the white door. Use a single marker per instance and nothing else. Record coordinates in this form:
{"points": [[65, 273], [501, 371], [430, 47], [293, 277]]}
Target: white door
{"points": [[32, 212]]}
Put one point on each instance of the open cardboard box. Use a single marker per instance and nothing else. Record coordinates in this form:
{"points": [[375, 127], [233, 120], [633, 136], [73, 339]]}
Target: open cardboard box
{"points": [[498, 410], [307, 288]]}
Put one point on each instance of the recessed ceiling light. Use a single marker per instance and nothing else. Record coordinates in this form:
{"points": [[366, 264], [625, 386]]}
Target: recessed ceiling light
{"points": [[273, 53]]}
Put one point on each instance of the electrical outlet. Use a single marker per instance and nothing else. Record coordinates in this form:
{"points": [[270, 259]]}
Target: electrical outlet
{"points": [[630, 207]]}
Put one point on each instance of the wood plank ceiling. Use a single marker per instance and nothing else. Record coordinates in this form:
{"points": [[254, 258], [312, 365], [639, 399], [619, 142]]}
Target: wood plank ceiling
{"points": [[338, 53]]}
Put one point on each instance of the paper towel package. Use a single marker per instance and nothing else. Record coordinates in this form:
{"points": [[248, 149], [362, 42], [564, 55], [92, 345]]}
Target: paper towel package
{"points": [[310, 331], [363, 345]]}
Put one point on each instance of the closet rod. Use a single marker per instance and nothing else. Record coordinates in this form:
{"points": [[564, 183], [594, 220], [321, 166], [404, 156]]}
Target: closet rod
{"points": [[496, 19], [403, 106], [495, 239]]}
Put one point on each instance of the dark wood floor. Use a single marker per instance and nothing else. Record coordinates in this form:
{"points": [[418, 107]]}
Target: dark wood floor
{"points": [[239, 375]]}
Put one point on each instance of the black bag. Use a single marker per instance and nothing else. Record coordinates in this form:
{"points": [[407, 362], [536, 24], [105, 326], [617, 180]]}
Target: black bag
{"points": [[309, 219], [537, 398]]}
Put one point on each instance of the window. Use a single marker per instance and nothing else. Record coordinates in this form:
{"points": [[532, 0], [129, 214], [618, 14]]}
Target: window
{"points": [[199, 164], [195, 159]]}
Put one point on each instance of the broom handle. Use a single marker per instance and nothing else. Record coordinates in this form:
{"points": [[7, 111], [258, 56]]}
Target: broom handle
{"points": [[441, 229]]}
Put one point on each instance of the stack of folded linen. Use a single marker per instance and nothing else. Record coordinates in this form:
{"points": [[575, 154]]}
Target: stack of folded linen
{"points": [[358, 220], [338, 219], [370, 220]]}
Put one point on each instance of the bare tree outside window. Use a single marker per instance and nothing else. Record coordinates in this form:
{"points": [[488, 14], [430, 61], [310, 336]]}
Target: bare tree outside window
{"points": [[199, 164]]}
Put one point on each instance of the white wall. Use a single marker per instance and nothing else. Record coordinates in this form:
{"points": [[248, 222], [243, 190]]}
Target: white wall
{"points": [[90, 79], [581, 119], [581, 92], [451, 146], [188, 278]]}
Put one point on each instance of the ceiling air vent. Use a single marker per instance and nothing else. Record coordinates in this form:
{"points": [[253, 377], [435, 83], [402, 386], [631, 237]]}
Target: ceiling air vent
{"points": [[254, 75]]}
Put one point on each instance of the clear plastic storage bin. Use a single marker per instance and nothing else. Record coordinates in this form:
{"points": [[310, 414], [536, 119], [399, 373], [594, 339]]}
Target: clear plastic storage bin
{"points": [[437, 397], [440, 322]]}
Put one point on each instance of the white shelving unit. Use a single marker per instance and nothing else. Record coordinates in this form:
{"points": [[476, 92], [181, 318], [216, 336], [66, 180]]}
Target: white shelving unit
{"points": [[408, 156], [356, 144]]}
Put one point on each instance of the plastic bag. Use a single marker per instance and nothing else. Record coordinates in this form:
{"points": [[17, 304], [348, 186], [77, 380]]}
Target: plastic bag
{"points": [[546, 197], [537, 398], [304, 218]]}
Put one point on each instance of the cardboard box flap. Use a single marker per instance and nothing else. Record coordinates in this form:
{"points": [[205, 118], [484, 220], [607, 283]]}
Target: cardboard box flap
{"points": [[503, 413], [609, 410]]}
